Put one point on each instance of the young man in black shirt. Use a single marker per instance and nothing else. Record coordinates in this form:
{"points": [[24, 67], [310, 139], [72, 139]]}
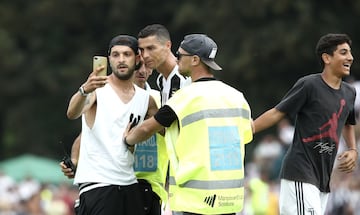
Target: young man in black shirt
{"points": [[323, 106]]}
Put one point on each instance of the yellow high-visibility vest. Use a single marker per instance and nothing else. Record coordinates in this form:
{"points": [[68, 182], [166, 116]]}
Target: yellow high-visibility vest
{"points": [[206, 148], [151, 160], [259, 195]]}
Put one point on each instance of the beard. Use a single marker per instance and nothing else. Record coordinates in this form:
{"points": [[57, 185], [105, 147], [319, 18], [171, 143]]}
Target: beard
{"points": [[124, 76], [185, 73]]}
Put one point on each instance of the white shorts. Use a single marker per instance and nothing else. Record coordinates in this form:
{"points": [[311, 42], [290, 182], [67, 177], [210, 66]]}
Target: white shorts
{"points": [[299, 198]]}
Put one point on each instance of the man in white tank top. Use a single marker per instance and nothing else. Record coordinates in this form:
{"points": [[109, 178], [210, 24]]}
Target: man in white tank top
{"points": [[105, 174], [152, 204]]}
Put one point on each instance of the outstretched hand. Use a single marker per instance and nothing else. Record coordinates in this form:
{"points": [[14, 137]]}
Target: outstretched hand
{"points": [[348, 161], [133, 121]]}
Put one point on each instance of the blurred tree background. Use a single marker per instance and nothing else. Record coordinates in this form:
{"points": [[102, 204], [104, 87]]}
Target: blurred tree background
{"points": [[47, 47]]}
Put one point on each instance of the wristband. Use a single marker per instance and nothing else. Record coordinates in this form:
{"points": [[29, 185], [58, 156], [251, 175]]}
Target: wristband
{"points": [[126, 143], [82, 91]]}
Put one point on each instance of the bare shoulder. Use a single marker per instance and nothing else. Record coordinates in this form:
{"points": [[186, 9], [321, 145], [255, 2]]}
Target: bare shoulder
{"points": [[152, 108]]}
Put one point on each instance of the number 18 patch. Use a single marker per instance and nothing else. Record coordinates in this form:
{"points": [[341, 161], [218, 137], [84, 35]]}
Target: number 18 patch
{"points": [[146, 155]]}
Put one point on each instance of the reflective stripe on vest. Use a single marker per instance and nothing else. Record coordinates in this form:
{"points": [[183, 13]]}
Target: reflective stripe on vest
{"points": [[211, 185], [215, 113]]}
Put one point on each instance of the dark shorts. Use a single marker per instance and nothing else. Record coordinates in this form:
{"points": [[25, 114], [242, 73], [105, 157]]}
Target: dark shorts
{"points": [[112, 200], [152, 205]]}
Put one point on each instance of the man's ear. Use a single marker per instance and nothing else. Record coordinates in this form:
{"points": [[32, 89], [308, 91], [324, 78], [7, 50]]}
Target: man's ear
{"points": [[168, 44], [195, 60], [137, 62], [326, 58]]}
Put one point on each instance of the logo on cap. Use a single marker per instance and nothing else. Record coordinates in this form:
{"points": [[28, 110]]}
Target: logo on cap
{"points": [[213, 53]]}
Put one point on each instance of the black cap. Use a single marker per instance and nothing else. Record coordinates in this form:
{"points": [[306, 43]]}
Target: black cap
{"points": [[202, 46], [124, 40]]}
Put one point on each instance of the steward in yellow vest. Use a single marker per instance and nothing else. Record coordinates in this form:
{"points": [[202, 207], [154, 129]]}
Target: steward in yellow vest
{"points": [[207, 148], [151, 159], [208, 124]]}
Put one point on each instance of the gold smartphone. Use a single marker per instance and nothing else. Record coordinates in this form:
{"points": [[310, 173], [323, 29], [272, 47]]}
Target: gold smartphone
{"points": [[100, 61]]}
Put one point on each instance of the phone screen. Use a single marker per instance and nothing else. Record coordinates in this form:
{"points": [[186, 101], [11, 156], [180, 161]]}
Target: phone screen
{"points": [[100, 61]]}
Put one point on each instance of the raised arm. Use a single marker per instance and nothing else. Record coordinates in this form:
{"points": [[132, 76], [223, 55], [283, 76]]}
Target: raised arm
{"points": [[84, 99], [267, 119]]}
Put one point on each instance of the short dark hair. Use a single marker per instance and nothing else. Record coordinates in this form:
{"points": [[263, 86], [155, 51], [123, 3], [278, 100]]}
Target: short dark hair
{"points": [[157, 30], [328, 44]]}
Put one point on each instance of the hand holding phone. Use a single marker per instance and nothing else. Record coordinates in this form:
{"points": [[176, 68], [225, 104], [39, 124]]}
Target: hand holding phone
{"points": [[99, 61], [68, 163], [67, 160]]}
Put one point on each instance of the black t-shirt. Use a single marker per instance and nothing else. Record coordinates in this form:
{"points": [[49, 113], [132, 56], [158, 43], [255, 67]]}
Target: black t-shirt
{"points": [[165, 116], [320, 113]]}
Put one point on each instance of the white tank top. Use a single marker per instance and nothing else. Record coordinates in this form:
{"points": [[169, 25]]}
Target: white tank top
{"points": [[104, 158]]}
